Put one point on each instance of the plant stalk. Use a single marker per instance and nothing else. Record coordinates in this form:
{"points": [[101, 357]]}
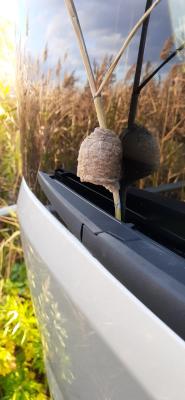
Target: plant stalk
{"points": [[85, 58], [125, 45], [117, 204]]}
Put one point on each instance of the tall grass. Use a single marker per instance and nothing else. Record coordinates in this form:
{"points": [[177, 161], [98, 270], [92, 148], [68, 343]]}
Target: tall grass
{"points": [[22, 373], [10, 156], [55, 117]]}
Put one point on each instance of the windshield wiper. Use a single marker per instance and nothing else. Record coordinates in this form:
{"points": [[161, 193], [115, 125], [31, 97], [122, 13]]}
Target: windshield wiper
{"points": [[135, 93], [169, 58], [137, 87]]}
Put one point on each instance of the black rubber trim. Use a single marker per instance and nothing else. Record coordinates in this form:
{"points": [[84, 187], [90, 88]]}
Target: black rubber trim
{"points": [[154, 274], [162, 219]]}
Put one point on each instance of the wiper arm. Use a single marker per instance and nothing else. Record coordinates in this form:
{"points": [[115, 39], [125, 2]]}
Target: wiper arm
{"points": [[135, 93], [169, 58]]}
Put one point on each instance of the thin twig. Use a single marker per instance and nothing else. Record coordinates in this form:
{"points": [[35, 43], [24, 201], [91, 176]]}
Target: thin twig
{"points": [[125, 45], [7, 241], [170, 134]]}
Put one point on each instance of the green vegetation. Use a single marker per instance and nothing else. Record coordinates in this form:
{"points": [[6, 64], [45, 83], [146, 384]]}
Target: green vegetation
{"points": [[22, 374]]}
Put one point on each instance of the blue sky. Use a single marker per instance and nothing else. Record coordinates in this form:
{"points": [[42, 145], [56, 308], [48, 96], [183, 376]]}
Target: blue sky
{"points": [[105, 24]]}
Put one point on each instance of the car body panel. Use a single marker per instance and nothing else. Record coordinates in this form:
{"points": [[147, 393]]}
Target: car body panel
{"points": [[100, 341]]}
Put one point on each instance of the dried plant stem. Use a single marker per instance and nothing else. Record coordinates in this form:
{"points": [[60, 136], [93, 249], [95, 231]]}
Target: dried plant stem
{"points": [[117, 204], [100, 111], [125, 45], [84, 54]]}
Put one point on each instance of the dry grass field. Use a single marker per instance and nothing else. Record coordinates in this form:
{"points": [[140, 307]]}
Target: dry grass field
{"points": [[54, 118]]}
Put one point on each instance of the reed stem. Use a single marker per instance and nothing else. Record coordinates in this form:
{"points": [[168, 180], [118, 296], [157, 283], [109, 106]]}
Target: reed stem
{"points": [[124, 47], [117, 204], [85, 58]]}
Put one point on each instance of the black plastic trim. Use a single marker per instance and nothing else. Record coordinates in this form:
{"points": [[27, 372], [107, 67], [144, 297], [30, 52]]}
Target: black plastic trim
{"points": [[153, 273]]}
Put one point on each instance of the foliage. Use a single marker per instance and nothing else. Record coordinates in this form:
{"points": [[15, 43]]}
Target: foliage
{"points": [[22, 374]]}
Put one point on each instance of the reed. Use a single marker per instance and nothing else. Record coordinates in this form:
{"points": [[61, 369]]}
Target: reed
{"points": [[55, 118]]}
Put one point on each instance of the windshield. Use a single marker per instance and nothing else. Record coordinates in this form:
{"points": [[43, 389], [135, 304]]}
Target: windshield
{"points": [[52, 84], [177, 17]]}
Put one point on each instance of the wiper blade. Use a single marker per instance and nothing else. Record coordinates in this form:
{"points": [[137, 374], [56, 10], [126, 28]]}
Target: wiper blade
{"points": [[169, 58]]}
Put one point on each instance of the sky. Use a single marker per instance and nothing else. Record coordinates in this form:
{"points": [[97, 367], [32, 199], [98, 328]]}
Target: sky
{"points": [[105, 24]]}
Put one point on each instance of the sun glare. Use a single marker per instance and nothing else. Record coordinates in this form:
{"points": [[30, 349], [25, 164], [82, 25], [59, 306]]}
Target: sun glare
{"points": [[8, 22], [9, 10]]}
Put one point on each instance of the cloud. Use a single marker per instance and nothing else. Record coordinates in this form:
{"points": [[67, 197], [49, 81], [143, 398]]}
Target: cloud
{"points": [[105, 24]]}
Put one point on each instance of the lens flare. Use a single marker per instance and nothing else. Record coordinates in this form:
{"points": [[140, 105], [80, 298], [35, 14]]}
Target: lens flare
{"points": [[9, 10], [8, 22]]}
